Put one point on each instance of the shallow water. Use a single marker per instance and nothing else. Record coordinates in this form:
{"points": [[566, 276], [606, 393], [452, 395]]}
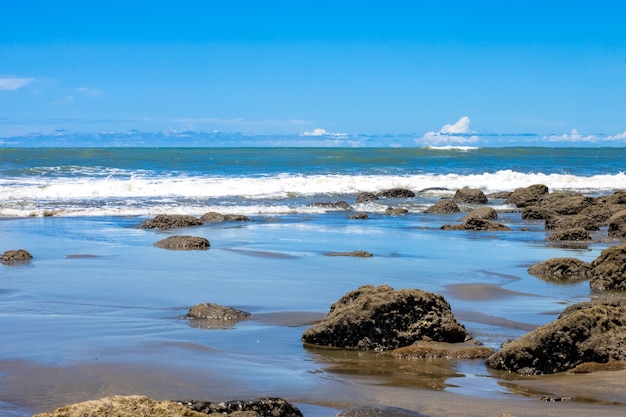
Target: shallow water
{"points": [[100, 310]]}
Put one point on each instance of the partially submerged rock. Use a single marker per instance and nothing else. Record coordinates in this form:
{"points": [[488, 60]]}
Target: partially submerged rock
{"points": [[566, 204], [571, 222], [609, 269], [444, 206], [15, 257], [171, 221], [381, 318], [183, 243], [395, 193], [365, 196], [359, 216], [591, 333], [577, 234], [484, 213], [396, 211], [379, 411], [438, 350], [214, 217], [470, 196], [356, 254], [562, 270], [215, 316], [617, 225], [537, 213], [337, 205], [124, 406], [477, 225]]}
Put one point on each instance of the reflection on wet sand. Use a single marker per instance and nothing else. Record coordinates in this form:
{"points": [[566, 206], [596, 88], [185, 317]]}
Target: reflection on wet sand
{"points": [[482, 292]]}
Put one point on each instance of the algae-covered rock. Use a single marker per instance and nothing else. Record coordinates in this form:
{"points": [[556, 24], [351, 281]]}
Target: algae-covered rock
{"points": [[381, 318], [588, 333]]}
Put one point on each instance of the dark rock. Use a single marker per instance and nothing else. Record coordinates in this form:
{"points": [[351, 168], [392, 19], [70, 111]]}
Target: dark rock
{"points": [[609, 269], [562, 270], [214, 217], [470, 196], [565, 204], [577, 234], [527, 196], [171, 221], [262, 407], [571, 222], [359, 216], [381, 318], [395, 193], [364, 197], [439, 350], [477, 225], [379, 411], [15, 257], [183, 243], [356, 254], [124, 406], [443, 207], [395, 211], [215, 311], [342, 205], [537, 213], [501, 195], [485, 213], [617, 225], [592, 334]]}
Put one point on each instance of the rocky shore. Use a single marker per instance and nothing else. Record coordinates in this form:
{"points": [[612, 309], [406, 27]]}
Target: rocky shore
{"points": [[412, 324]]}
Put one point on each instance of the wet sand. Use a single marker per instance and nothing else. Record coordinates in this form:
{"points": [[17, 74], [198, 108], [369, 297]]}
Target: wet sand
{"points": [[37, 389]]}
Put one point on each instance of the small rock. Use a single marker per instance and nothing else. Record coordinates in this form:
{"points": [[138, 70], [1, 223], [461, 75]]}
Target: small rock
{"points": [[395, 211], [395, 193], [444, 206], [562, 270], [183, 243], [356, 254], [14, 257]]}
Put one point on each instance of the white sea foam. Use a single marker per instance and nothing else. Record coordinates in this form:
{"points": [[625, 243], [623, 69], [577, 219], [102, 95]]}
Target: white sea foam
{"points": [[141, 194]]}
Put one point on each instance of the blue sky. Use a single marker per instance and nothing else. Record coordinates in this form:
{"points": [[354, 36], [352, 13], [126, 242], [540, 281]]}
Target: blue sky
{"points": [[446, 72]]}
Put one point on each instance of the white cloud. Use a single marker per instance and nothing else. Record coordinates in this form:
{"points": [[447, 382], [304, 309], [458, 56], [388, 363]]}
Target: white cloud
{"points": [[323, 132], [14, 83], [457, 133], [64, 101], [574, 136], [90, 92]]}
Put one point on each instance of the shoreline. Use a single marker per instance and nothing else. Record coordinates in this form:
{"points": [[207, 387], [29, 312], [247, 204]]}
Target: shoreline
{"points": [[33, 388]]}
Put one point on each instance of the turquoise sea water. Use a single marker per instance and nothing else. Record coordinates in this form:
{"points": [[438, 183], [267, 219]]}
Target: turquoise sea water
{"points": [[100, 310]]}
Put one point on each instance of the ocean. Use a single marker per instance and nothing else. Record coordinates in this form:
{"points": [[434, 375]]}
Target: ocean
{"points": [[100, 310]]}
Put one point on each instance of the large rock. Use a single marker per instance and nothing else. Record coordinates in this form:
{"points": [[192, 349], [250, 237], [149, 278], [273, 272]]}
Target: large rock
{"points": [[396, 211], [262, 407], [171, 221], [15, 257], [527, 196], [571, 222], [576, 234], [444, 206], [470, 196], [381, 318], [566, 204], [395, 193], [591, 333], [140, 406], [562, 270], [124, 406], [183, 243], [609, 269]]}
